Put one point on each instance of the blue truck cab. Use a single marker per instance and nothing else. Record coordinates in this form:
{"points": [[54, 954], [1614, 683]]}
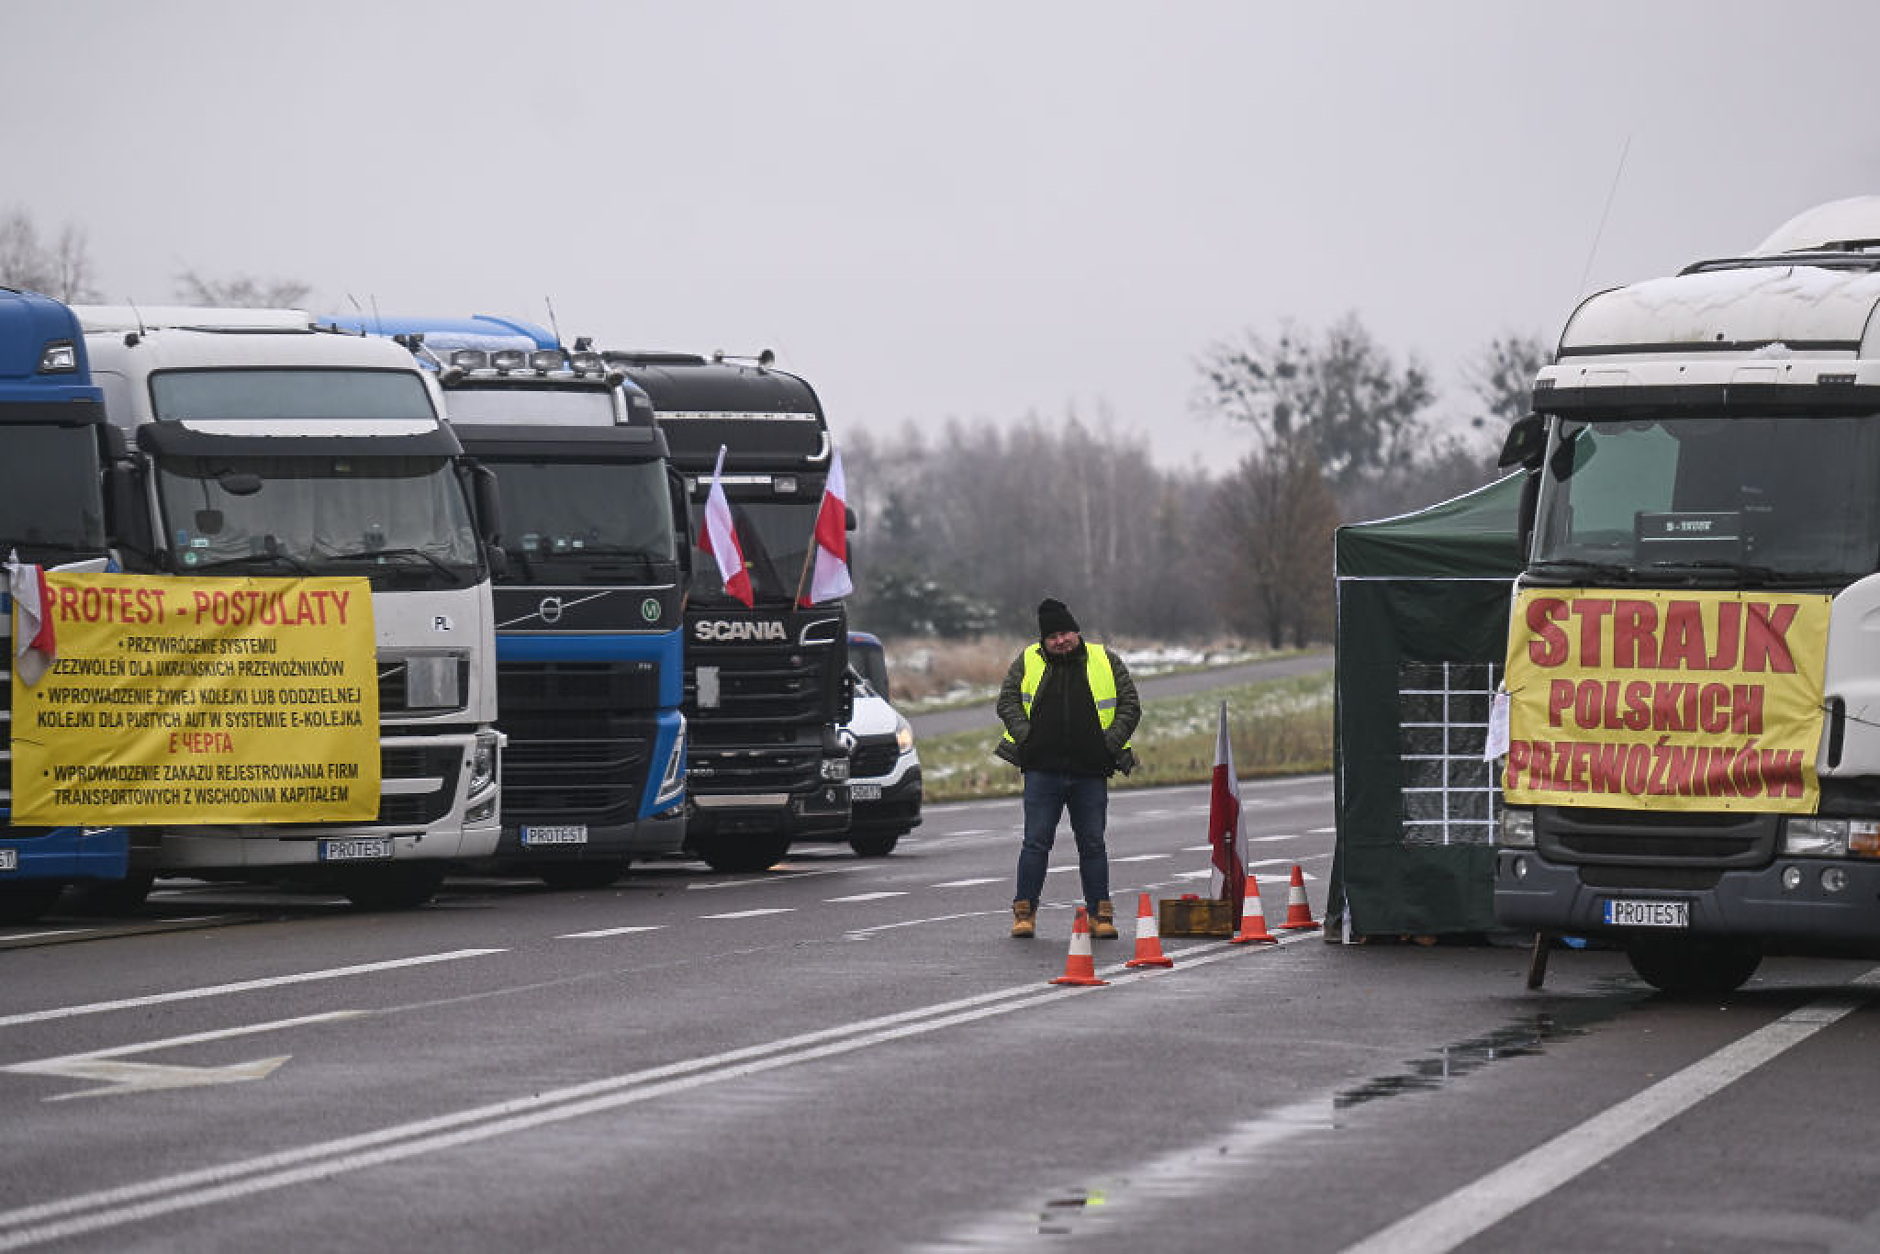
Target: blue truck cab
{"points": [[589, 656], [54, 443]]}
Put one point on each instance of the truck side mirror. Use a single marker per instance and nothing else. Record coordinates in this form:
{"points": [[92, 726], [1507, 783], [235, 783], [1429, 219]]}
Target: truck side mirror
{"points": [[1525, 444], [488, 504], [850, 521]]}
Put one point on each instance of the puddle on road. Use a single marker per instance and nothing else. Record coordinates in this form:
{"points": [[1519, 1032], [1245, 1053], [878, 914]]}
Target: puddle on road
{"points": [[1176, 1178]]}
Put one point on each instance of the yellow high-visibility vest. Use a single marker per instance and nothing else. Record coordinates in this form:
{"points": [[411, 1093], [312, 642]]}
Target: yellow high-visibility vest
{"points": [[1097, 669]]}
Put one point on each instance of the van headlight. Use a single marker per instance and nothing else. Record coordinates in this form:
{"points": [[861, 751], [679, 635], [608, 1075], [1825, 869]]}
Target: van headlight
{"points": [[903, 735]]}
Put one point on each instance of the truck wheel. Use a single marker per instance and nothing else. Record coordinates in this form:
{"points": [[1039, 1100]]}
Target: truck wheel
{"points": [[393, 887], [110, 897], [875, 844], [1693, 968], [27, 900], [728, 854], [573, 876]]}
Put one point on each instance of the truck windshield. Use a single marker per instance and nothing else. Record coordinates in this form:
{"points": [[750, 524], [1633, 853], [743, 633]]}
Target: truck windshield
{"points": [[50, 506], [586, 521], [289, 394], [1711, 497], [775, 537], [398, 520]]}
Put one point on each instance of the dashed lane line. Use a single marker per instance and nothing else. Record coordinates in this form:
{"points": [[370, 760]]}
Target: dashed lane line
{"points": [[240, 986], [750, 914], [858, 897], [972, 883], [598, 933]]}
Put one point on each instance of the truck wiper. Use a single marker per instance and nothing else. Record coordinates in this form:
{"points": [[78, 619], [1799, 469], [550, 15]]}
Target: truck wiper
{"points": [[1711, 566], [284, 558], [441, 569], [1576, 566]]}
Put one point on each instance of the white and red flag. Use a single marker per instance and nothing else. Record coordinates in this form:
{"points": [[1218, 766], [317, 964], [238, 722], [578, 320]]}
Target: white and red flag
{"points": [[830, 578], [34, 648], [720, 538], [1228, 881]]}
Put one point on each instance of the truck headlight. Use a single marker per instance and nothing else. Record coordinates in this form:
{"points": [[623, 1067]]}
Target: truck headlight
{"points": [[672, 779], [483, 763], [1815, 837], [835, 770], [1517, 829]]}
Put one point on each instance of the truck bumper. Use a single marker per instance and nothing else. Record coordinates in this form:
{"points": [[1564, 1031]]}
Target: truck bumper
{"points": [[63, 853], [1532, 894], [798, 816]]}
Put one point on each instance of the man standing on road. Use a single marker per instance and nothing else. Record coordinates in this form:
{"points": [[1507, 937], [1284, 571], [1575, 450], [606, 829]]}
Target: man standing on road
{"points": [[1068, 708]]}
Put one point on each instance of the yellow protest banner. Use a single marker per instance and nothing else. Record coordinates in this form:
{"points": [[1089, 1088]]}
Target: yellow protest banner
{"points": [[1665, 700], [188, 701]]}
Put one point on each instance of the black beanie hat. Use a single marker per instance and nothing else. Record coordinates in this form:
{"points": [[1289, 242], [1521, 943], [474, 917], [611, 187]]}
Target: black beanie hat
{"points": [[1054, 615]]}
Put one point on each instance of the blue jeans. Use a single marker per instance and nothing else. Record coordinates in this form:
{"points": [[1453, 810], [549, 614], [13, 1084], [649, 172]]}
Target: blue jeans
{"points": [[1047, 795]]}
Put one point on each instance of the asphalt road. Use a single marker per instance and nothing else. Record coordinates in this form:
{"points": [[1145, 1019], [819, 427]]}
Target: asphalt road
{"points": [[850, 1055], [968, 717]]}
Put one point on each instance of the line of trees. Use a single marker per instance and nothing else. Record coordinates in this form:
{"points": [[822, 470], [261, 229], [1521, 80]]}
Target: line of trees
{"points": [[963, 532]]}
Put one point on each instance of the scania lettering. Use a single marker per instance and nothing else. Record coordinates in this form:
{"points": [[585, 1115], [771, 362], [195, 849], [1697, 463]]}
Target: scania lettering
{"points": [[765, 689], [589, 656], [1692, 768], [53, 445], [263, 447]]}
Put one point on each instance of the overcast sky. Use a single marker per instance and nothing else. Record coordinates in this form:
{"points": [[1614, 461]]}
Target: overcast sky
{"points": [[972, 210]]}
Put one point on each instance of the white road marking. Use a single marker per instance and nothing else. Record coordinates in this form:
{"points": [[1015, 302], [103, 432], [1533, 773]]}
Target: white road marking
{"points": [[751, 914], [974, 883], [609, 931], [1264, 839], [774, 875], [1141, 857], [57, 931], [138, 1077], [1192, 875], [242, 986], [863, 897], [124, 1204], [1474, 1208]]}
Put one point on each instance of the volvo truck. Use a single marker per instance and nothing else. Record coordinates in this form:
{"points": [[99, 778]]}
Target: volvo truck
{"points": [[261, 447], [766, 686], [1692, 745], [54, 444], [588, 652]]}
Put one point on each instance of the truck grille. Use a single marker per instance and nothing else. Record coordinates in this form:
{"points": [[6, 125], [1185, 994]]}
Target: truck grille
{"points": [[567, 687], [753, 770], [394, 691], [757, 686], [598, 781], [1572, 834], [441, 762]]}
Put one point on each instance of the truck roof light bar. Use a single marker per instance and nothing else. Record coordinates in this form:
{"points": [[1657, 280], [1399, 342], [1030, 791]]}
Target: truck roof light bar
{"points": [[543, 360], [470, 359], [507, 359], [585, 362]]}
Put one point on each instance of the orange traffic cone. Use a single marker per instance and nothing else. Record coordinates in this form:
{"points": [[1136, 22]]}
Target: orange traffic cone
{"points": [[1081, 966], [1253, 918], [1148, 939], [1298, 909]]}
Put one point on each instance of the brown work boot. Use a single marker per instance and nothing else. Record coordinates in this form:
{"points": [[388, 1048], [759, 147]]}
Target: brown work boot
{"points": [[1103, 923], [1024, 920]]}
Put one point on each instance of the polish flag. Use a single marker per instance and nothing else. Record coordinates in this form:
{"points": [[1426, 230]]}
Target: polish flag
{"points": [[1228, 879], [831, 579], [720, 539], [34, 648]]}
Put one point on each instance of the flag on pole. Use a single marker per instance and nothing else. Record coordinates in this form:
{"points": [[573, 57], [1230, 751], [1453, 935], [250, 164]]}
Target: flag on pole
{"points": [[720, 538], [34, 647], [1228, 880], [831, 576]]}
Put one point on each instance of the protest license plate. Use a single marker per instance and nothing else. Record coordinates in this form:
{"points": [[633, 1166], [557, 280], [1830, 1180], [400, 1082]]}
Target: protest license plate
{"points": [[864, 792], [356, 849], [1624, 913], [9, 859], [565, 834]]}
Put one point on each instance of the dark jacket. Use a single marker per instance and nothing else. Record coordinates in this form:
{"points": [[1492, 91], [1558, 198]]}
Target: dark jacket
{"points": [[1064, 733]]}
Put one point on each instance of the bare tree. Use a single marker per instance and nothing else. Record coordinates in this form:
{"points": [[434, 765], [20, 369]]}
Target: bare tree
{"points": [[242, 291], [1276, 515], [1501, 377], [60, 268]]}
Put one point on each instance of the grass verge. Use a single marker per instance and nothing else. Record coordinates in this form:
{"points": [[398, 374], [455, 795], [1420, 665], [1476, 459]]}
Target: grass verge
{"points": [[1278, 727]]}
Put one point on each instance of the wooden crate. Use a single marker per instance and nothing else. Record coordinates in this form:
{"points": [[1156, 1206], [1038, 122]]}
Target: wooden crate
{"points": [[1189, 915]]}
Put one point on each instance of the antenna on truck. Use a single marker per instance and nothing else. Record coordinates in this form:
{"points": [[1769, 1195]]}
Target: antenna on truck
{"points": [[1600, 231], [553, 326]]}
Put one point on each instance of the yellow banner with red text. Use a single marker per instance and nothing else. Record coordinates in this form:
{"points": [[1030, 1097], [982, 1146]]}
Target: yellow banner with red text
{"points": [[200, 701], [1665, 700]]}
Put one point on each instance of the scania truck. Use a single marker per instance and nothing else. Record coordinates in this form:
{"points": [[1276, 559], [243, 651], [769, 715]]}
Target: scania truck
{"points": [[54, 443], [1692, 766], [263, 447], [588, 653], [766, 687]]}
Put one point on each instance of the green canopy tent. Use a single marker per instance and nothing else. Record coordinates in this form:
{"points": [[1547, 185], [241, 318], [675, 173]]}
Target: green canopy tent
{"points": [[1422, 625]]}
